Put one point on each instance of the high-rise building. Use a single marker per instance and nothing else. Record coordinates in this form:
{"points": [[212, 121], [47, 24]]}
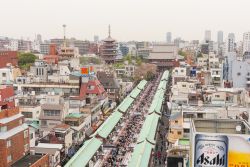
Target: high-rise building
{"points": [[169, 37], [220, 37], [207, 35], [83, 46], [39, 38], [96, 38], [246, 42], [230, 43]]}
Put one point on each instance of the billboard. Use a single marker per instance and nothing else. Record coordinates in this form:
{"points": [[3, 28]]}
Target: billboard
{"points": [[218, 150], [85, 71]]}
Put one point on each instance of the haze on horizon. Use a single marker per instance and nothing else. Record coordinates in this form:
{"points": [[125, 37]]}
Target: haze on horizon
{"points": [[129, 19]]}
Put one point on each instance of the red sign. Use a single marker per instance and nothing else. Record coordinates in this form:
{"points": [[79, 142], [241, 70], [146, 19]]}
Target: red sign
{"points": [[84, 70]]}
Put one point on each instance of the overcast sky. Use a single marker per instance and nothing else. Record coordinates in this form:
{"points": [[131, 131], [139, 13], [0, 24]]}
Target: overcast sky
{"points": [[129, 19]]}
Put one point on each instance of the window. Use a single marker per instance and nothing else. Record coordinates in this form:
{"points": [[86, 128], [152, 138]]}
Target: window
{"points": [[238, 73], [44, 123], [186, 130], [3, 129], [184, 86], [4, 74], [27, 114], [51, 112], [26, 147], [218, 96], [26, 133], [176, 121], [20, 121], [179, 132], [8, 143], [31, 136], [9, 158]]}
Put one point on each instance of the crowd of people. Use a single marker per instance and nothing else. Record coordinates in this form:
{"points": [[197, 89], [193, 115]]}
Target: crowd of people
{"points": [[126, 139]]}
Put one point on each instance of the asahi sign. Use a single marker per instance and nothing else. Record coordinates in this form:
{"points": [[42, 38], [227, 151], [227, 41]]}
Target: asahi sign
{"points": [[219, 150], [211, 151]]}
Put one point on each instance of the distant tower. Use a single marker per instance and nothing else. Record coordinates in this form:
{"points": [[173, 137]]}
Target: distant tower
{"points": [[246, 42], [96, 38], [220, 37], [64, 35], [39, 38], [207, 35], [169, 37], [230, 43]]}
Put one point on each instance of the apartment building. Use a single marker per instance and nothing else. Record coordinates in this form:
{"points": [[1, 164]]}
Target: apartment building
{"points": [[14, 134]]}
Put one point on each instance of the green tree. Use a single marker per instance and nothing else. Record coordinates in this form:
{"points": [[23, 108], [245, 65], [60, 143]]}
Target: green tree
{"points": [[88, 60], [182, 53], [25, 60]]}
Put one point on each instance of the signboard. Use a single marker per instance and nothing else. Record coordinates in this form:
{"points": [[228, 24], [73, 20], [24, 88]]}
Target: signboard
{"points": [[86, 71], [214, 150]]}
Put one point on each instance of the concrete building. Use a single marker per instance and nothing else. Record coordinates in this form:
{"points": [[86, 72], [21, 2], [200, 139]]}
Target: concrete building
{"points": [[44, 48], [169, 37], [96, 38], [205, 48], [124, 49], [230, 43], [207, 35], [80, 123], [39, 71], [83, 46], [24, 45], [220, 37], [53, 112], [13, 45], [236, 71], [246, 42], [53, 150]]}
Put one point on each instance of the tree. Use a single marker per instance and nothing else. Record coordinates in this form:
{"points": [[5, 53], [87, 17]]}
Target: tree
{"points": [[182, 53], [25, 60], [88, 60], [145, 71]]}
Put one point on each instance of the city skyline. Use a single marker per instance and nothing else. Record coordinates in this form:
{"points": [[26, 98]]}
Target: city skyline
{"points": [[86, 19]]}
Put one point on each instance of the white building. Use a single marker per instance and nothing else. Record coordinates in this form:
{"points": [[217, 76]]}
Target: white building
{"points": [[13, 45], [246, 42], [230, 43], [6, 76], [207, 35]]}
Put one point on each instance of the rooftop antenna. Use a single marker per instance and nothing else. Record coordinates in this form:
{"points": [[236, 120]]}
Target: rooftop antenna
{"points": [[64, 35], [109, 31]]}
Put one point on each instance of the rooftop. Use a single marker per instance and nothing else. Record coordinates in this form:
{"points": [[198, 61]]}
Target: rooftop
{"points": [[27, 161], [226, 126], [62, 127], [74, 115]]}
